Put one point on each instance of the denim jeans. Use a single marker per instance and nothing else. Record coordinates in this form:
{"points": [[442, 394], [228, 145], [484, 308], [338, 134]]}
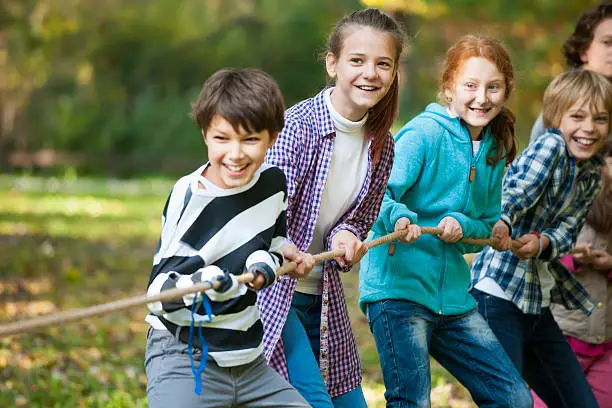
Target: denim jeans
{"points": [[406, 333], [540, 352], [301, 337]]}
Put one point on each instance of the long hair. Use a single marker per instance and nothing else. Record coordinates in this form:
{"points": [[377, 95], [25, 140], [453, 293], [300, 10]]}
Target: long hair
{"points": [[502, 126], [382, 115], [600, 214]]}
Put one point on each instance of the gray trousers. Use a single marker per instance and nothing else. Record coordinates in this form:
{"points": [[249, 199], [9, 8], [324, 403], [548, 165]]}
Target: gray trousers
{"points": [[171, 382]]}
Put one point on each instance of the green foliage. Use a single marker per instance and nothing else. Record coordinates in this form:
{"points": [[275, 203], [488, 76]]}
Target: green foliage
{"points": [[118, 78], [112, 82]]}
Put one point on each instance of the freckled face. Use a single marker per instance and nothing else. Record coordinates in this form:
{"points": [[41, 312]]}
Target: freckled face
{"points": [[478, 94]]}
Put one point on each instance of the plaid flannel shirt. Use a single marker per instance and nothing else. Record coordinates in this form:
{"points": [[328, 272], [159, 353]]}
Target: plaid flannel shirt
{"points": [[304, 151], [546, 191]]}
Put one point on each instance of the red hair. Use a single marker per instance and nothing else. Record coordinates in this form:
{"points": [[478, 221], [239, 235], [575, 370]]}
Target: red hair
{"points": [[502, 126]]}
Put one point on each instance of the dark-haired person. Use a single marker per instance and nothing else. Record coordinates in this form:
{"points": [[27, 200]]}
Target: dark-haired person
{"points": [[589, 47], [337, 153], [225, 218]]}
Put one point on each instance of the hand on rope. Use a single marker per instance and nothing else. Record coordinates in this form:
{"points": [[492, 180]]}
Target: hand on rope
{"points": [[297, 264], [354, 249], [451, 230], [303, 261], [528, 246], [413, 233]]}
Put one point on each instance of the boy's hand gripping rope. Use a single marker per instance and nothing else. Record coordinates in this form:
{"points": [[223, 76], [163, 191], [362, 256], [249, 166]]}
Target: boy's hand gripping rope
{"points": [[73, 315]]}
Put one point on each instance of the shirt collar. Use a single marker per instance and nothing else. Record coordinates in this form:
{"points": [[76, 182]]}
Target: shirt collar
{"points": [[323, 119]]}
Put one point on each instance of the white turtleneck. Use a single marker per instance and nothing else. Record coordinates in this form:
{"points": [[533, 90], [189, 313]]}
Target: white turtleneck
{"points": [[347, 172]]}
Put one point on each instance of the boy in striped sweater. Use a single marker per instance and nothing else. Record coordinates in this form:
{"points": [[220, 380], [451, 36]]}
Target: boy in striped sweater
{"points": [[226, 218]]}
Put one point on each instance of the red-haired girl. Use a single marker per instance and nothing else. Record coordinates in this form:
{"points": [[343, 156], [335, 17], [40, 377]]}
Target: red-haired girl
{"points": [[449, 163]]}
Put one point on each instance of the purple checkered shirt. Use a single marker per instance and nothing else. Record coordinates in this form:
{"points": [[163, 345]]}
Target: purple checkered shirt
{"points": [[304, 151]]}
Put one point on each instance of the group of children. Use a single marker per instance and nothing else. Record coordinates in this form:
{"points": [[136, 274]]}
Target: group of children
{"points": [[282, 185]]}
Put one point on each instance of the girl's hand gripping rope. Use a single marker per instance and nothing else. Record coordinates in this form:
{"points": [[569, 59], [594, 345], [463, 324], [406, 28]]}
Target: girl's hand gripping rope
{"points": [[452, 231], [414, 231], [402, 224], [304, 261], [354, 249]]}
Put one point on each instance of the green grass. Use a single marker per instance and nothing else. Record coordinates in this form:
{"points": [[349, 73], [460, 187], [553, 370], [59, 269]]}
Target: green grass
{"points": [[70, 243]]}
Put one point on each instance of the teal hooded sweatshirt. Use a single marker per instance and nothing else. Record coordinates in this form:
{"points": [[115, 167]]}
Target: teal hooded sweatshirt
{"points": [[429, 181]]}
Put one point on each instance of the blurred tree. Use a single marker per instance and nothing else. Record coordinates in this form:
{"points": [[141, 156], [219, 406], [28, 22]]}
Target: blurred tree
{"points": [[115, 77], [112, 79]]}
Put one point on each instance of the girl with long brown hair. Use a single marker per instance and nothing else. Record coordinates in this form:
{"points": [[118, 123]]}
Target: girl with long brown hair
{"points": [[337, 153]]}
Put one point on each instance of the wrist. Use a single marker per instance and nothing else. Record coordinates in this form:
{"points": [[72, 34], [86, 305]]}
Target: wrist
{"points": [[507, 224], [540, 246]]}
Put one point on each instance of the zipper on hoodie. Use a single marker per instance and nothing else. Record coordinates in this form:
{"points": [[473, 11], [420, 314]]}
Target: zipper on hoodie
{"points": [[441, 294], [467, 195]]}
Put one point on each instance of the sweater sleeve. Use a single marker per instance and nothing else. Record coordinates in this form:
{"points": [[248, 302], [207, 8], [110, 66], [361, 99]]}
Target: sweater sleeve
{"points": [[410, 155]]}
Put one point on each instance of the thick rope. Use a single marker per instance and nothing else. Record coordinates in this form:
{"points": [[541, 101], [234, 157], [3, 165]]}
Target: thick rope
{"points": [[36, 323]]}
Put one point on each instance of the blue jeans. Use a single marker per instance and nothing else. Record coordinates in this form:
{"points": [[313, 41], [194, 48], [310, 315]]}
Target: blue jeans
{"points": [[540, 352], [406, 333], [301, 337]]}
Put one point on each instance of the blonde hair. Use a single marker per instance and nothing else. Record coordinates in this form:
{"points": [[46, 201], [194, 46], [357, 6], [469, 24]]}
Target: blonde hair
{"points": [[566, 89]]}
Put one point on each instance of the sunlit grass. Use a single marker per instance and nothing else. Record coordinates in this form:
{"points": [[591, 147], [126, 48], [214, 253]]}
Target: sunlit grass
{"points": [[75, 243]]}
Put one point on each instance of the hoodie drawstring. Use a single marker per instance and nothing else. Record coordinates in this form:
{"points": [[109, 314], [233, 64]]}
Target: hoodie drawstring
{"points": [[197, 372]]}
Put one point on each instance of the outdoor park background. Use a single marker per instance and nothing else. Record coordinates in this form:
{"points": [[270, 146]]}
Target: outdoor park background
{"points": [[94, 126]]}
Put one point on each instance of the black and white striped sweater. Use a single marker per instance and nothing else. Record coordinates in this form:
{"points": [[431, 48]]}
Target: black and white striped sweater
{"points": [[206, 231]]}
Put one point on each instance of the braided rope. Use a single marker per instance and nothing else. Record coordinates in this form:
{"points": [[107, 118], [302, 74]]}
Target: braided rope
{"points": [[39, 322]]}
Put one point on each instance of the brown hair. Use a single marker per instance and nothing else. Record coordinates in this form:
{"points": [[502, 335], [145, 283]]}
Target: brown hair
{"points": [[502, 126], [600, 214], [247, 98], [382, 115], [580, 40], [572, 86]]}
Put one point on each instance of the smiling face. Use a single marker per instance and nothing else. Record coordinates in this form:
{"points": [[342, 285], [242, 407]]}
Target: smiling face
{"points": [[598, 56], [363, 71], [234, 156], [477, 95], [585, 130]]}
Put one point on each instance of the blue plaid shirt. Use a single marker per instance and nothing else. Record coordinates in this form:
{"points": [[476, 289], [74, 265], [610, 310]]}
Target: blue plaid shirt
{"points": [[544, 190]]}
